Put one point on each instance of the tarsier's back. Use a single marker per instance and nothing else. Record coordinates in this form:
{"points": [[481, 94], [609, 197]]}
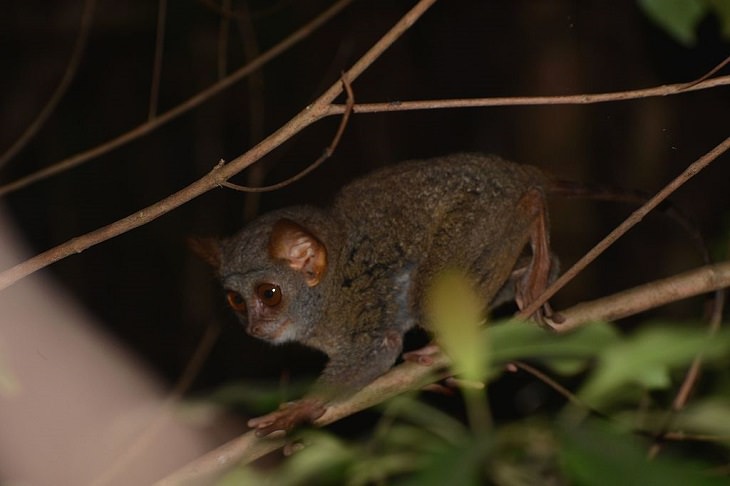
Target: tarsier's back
{"points": [[460, 211]]}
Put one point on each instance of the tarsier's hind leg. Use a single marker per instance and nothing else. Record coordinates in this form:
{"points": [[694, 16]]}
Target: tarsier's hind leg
{"points": [[536, 276]]}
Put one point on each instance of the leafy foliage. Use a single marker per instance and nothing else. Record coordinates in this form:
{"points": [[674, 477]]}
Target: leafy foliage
{"points": [[600, 455], [680, 18], [416, 443]]}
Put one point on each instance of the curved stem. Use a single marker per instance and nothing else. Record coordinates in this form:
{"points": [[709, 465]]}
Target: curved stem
{"points": [[184, 107], [220, 173], [86, 19]]}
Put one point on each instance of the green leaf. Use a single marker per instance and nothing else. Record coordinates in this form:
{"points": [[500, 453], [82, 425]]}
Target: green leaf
{"points": [[722, 10], [596, 455], [526, 454], [324, 460], [459, 465], [377, 469], [679, 18], [455, 316], [710, 417], [646, 359], [259, 397], [562, 352], [428, 419], [243, 475]]}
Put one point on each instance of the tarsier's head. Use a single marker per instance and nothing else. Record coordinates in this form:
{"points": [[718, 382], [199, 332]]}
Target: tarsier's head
{"points": [[270, 272]]}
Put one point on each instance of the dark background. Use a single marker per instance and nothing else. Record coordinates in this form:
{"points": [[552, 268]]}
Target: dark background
{"points": [[149, 290]]}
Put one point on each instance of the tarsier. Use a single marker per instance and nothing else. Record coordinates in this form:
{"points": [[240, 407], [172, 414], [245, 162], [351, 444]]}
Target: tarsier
{"points": [[350, 280]]}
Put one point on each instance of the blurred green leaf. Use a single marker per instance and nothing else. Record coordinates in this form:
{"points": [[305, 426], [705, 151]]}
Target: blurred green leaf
{"points": [[710, 417], [372, 470], [428, 419], [459, 465], [324, 460], [259, 396], [455, 316], [562, 352], [722, 10], [705, 420], [526, 454], [679, 18], [646, 359], [399, 437], [243, 475], [594, 454]]}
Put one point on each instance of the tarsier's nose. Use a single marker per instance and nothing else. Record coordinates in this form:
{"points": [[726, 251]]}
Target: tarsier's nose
{"points": [[258, 331]]}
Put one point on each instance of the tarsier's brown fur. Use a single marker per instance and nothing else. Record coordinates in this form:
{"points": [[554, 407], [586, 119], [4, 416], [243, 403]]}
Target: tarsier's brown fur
{"points": [[351, 279]]}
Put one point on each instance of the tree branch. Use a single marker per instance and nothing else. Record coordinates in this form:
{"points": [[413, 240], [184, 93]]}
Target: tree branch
{"points": [[337, 109], [220, 173], [579, 99], [180, 109], [648, 296], [626, 225], [412, 376]]}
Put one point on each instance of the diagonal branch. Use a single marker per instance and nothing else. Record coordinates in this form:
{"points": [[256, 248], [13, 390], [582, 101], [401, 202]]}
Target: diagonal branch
{"points": [[180, 109], [412, 376], [326, 154], [220, 173], [626, 225], [157, 63], [648, 296]]}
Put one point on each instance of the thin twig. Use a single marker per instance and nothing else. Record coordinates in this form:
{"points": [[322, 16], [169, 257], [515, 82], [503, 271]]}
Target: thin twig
{"points": [[224, 28], [220, 173], [71, 68], [626, 225], [180, 109], [690, 379], [325, 155], [708, 74], [256, 110], [335, 109], [157, 64], [579, 99]]}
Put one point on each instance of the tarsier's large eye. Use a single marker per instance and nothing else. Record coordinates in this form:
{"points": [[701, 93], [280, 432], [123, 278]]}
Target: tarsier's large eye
{"points": [[236, 301], [269, 294]]}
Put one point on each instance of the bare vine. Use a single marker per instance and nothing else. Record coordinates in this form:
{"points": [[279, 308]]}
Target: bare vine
{"points": [[70, 72], [196, 100]]}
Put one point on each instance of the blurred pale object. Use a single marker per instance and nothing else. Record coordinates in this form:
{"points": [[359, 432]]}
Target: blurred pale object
{"points": [[72, 402]]}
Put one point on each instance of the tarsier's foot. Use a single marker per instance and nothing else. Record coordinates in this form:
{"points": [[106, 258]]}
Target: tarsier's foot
{"points": [[537, 274], [288, 416], [423, 356]]}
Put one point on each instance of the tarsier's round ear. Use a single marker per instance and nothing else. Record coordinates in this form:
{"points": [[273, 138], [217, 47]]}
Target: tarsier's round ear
{"points": [[300, 249], [207, 249]]}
